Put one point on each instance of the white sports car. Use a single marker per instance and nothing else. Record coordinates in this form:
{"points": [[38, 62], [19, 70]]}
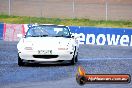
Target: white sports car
{"points": [[47, 43]]}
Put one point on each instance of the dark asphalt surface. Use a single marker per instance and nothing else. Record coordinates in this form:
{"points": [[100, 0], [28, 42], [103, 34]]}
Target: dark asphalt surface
{"points": [[95, 60]]}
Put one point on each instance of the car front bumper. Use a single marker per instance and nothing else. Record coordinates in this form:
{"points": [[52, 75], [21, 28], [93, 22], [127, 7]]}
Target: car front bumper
{"points": [[55, 56]]}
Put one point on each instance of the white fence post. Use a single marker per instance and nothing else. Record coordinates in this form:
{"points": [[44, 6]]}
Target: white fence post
{"points": [[73, 8], [106, 10], [9, 8]]}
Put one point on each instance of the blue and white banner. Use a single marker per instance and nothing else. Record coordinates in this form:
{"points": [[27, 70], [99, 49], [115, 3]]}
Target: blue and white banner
{"points": [[1, 30], [103, 36], [100, 36]]}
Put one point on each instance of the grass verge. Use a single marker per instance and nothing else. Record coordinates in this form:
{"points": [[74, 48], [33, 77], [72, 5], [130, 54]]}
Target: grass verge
{"points": [[69, 22]]}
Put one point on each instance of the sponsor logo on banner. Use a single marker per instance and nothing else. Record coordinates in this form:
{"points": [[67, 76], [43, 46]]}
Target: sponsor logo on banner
{"points": [[103, 39], [103, 36]]}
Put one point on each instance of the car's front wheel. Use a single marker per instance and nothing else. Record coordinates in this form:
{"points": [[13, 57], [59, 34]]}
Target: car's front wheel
{"points": [[73, 61], [75, 57], [20, 61]]}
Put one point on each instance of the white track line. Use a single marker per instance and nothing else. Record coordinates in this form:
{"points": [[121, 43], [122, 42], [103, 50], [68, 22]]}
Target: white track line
{"points": [[87, 59]]}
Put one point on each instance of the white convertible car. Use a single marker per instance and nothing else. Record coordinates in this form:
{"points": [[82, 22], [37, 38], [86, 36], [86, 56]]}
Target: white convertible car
{"points": [[47, 43]]}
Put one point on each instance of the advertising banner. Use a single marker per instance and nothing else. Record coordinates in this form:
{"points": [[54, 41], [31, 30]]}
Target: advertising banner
{"points": [[95, 35], [1, 31], [11, 31], [103, 36]]}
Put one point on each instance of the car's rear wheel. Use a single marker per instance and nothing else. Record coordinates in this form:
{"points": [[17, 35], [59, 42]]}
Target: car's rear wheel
{"points": [[20, 61]]}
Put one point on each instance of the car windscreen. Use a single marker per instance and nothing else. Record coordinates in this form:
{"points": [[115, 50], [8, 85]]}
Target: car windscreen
{"points": [[50, 31]]}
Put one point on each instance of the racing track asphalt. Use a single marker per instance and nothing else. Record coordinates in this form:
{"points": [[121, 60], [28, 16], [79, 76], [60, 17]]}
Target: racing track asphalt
{"points": [[95, 60]]}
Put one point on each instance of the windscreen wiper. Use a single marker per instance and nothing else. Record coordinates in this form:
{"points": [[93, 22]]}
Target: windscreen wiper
{"points": [[43, 35], [59, 36], [62, 36], [31, 36], [37, 36]]}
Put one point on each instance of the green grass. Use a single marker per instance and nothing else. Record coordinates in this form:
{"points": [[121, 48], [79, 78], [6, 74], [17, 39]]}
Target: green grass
{"points": [[65, 21]]}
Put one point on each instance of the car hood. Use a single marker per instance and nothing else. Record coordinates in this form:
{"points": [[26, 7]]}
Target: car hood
{"points": [[53, 40], [47, 42]]}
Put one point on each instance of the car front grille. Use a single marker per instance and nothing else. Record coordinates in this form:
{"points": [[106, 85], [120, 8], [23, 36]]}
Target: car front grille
{"points": [[45, 56]]}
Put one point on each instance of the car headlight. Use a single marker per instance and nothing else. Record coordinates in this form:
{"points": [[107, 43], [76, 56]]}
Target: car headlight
{"points": [[62, 48]]}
